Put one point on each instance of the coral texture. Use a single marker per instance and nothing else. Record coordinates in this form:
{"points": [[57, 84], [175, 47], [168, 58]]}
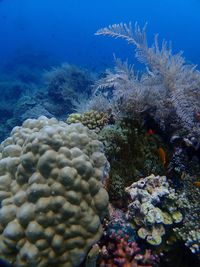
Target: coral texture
{"points": [[189, 199], [51, 195], [170, 83], [67, 82], [128, 95], [153, 207], [132, 154], [93, 119], [120, 252]]}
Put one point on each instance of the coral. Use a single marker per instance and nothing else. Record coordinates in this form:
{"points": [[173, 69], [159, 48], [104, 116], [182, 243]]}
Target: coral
{"points": [[193, 241], [115, 137], [11, 92], [31, 106], [118, 223], [189, 201], [116, 186], [99, 103], [94, 120], [92, 256], [153, 207], [66, 82], [170, 82], [128, 96], [119, 252], [51, 193], [132, 154]]}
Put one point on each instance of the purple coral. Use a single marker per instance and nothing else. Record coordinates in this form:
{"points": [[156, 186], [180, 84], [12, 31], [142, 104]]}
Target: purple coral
{"points": [[120, 252]]}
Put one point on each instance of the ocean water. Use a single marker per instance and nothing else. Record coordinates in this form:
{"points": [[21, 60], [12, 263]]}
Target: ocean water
{"points": [[51, 62], [65, 29]]}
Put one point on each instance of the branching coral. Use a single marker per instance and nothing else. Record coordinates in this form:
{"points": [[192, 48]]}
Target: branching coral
{"points": [[174, 84], [119, 252]]}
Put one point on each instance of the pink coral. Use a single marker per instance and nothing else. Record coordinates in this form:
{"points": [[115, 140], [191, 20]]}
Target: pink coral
{"points": [[120, 252]]}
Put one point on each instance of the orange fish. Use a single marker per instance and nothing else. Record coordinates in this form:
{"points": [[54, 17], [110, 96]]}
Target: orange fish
{"points": [[197, 184], [162, 155]]}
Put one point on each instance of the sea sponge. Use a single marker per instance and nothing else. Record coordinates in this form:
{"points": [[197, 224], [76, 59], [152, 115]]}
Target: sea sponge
{"points": [[51, 194]]}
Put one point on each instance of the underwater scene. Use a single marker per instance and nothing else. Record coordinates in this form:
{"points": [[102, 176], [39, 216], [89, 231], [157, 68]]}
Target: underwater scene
{"points": [[100, 133]]}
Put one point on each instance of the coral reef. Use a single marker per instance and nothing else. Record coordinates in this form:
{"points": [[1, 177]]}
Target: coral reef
{"points": [[193, 241], [31, 106], [128, 96], [189, 200], [51, 193], [93, 119], [153, 207], [98, 102], [169, 87], [120, 252], [66, 82], [11, 92], [24, 96], [118, 223], [132, 154], [54, 208]]}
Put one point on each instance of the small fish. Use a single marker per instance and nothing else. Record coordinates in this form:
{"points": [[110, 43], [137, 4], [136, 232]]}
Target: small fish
{"points": [[162, 155], [150, 132], [197, 184]]}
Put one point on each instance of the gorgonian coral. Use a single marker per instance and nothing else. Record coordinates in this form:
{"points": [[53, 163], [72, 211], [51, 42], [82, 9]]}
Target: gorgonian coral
{"points": [[169, 86]]}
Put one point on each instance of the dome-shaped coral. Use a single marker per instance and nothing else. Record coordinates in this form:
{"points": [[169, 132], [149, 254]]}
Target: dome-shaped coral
{"points": [[51, 195]]}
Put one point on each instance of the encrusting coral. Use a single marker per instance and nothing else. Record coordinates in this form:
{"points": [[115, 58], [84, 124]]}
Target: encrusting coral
{"points": [[51, 193], [153, 207], [189, 200]]}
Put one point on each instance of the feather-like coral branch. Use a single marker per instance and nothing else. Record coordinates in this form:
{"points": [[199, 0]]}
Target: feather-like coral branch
{"points": [[175, 83]]}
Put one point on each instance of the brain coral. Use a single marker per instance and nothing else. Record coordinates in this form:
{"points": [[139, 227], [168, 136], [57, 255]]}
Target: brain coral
{"points": [[51, 195]]}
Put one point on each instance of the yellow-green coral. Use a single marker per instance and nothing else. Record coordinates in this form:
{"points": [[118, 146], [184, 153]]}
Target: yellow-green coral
{"points": [[51, 195], [94, 120]]}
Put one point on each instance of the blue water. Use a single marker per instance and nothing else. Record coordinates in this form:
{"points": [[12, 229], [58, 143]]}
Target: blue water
{"points": [[38, 34], [64, 29]]}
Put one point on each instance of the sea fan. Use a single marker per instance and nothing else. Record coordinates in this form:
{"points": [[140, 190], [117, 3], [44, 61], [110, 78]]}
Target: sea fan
{"points": [[124, 88], [167, 75]]}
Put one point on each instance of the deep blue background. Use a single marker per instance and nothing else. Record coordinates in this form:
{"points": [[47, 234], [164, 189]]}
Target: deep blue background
{"points": [[65, 29]]}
